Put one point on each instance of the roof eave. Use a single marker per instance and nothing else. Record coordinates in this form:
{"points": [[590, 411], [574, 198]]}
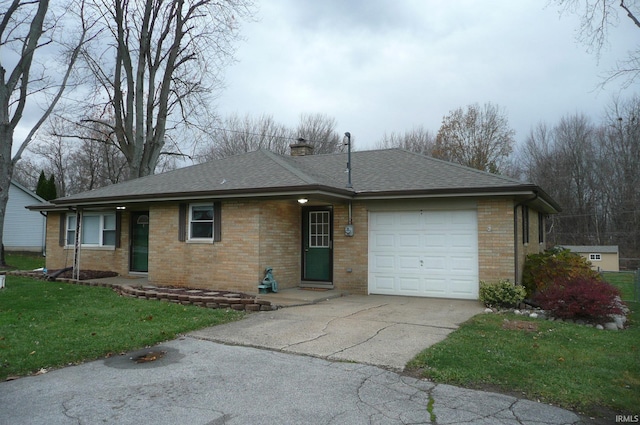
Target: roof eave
{"points": [[287, 191], [545, 203]]}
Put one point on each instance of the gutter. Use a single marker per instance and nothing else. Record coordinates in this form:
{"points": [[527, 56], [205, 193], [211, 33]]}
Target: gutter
{"points": [[219, 194]]}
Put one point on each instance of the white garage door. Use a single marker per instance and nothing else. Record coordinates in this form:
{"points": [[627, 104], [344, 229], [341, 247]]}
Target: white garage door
{"points": [[424, 253]]}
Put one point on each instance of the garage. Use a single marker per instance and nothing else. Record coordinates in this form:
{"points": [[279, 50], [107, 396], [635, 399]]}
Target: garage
{"points": [[424, 253]]}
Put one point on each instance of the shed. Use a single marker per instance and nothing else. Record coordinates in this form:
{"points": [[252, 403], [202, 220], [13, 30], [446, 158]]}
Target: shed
{"points": [[601, 257]]}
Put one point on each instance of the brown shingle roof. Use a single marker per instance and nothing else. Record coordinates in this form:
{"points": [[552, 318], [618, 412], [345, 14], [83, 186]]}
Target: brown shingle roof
{"points": [[376, 173]]}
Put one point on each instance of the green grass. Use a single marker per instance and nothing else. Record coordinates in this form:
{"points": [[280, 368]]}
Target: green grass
{"points": [[565, 364], [52, 324], [626, 282], [23, 260]]}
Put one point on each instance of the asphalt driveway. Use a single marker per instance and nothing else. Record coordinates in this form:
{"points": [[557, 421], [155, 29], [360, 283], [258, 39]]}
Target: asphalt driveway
{"points": [[379, 330]]}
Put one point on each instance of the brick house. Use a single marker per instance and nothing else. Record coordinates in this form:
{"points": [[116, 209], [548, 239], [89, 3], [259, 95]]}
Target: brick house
{"points": [[408, 225]]}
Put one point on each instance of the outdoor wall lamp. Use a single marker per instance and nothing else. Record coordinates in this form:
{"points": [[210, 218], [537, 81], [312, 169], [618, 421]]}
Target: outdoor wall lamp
{"points": [[303, 201]]}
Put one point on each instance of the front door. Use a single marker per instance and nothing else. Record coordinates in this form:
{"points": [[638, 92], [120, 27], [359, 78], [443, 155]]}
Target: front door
{"points": [[317, 245], [140, 241]]}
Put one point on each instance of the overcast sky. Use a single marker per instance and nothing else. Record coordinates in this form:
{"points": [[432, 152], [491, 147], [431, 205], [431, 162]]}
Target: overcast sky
{"points": [[380, 66]]}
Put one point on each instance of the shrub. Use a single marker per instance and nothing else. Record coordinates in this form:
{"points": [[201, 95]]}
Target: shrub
{"points": [[542, 269], [501, 294], [580, 298]]}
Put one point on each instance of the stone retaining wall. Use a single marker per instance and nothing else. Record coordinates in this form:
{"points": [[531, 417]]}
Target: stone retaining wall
{"points": [[197, 297]]}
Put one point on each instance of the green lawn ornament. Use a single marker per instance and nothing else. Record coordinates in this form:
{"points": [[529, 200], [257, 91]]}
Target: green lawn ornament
{"points": [[268, 283]]}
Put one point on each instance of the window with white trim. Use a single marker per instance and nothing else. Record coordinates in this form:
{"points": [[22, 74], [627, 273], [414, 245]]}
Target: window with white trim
{"points": [[319, 229], [595, 257], [98, 229], [201, 222]]}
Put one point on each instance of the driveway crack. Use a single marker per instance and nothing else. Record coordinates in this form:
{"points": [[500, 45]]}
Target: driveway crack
{"points": [[362, 342], [324, 333]]}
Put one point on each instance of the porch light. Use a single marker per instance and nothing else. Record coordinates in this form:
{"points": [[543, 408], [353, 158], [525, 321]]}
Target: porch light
{"points": [[303, 201], [121, 208]]}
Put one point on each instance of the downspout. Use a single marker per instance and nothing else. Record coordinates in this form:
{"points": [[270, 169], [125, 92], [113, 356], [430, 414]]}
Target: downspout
{"points": [[515, 235], [76, 245], [44, 242]]}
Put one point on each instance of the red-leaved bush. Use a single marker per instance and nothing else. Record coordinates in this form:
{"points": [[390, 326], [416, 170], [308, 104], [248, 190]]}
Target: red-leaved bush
{"points": [[580, 298]]}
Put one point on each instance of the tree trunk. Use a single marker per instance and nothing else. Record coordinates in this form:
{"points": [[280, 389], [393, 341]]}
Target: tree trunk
{"points": [[6, 170]]}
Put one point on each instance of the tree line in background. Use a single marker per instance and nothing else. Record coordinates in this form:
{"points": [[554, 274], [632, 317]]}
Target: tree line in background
{"points": [[593, 171]]}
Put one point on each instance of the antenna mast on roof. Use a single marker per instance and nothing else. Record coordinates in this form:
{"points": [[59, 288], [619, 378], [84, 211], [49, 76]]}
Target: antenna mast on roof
{"points": [[347, 141]]}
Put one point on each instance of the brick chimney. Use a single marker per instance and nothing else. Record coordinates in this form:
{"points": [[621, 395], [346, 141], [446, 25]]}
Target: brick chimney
{"points": [[301, 148]]}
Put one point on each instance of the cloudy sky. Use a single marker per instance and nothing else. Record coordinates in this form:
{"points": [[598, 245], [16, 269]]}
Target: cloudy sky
{"points": [[381, 66]]}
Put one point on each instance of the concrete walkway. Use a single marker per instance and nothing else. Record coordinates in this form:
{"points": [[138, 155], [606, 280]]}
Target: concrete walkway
{"points": [[378, 330]]}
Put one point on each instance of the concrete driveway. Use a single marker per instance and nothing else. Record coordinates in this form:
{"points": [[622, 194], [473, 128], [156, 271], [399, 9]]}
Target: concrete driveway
{"points": [[379, 330]]}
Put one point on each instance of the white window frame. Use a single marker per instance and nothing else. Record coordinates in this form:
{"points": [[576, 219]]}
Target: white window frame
{"points": [[101, 229], [191, 220], [319, 229], [595, 257]]}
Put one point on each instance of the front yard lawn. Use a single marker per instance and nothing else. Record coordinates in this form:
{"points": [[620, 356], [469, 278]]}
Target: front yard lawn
{"points": [[23, 260], [565, 364], [51, 324]]}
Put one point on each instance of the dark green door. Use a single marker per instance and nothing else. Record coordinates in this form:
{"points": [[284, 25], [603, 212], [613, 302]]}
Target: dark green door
{"points": [[317, 246], [140, 241]]}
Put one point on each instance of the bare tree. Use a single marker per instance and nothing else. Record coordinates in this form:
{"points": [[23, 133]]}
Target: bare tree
{"points": [[417, 140], [319, 130], [159, 68], [618, 173], [53, 153], [596, 18], [92, 161], [576, 150], [479, 137], [245, 134], [24, 31], [236, 135]]}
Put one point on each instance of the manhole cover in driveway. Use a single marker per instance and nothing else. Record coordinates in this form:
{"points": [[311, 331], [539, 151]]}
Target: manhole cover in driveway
{"points": [[150, 356], [146, 358]]}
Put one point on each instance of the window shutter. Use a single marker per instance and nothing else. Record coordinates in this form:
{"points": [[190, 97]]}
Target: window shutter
{"points": [[118, 228], [63, 229], [217, 221], [182, 222]]}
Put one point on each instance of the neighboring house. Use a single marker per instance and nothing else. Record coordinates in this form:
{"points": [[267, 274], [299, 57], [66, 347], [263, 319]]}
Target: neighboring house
{"points": [[23, 230], [601, 257], [409, 225]]}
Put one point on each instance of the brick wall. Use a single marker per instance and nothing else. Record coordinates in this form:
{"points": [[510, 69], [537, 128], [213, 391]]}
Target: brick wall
{"points": [[229, 264], [260, 234], [350, 253], [496, 255], [280, 241], [495, 240]]}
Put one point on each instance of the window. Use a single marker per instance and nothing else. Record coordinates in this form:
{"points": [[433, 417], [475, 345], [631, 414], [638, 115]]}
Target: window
{"points": [[525, 224], [319, 229], [541, 227], [595, 257], [201, 221], [98, 229]]}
